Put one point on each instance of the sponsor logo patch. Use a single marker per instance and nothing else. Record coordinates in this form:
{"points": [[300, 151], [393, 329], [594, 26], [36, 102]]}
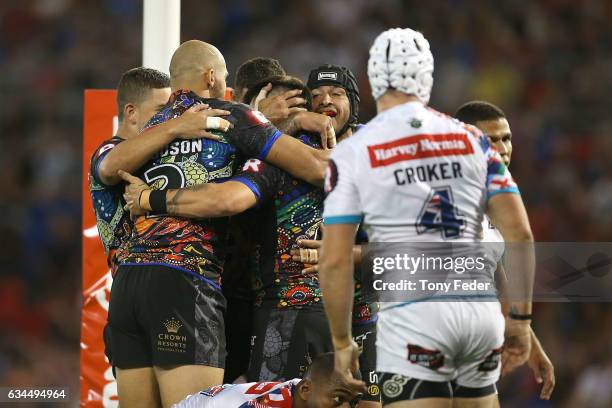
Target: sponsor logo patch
{"points": [[327, 75], [252, 165], [373, 390], [418, 355], [492, 361], [394, 386], [172, 340], [419, 147]]}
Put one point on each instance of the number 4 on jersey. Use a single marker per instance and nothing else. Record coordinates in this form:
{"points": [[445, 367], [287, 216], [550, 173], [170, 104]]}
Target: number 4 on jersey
{"points": [[439, 213]]}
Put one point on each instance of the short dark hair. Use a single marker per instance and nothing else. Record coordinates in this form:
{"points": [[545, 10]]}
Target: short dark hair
{"points": [[286, 81], [135, 83], [321, 367], [477, 111], [255, 70]]}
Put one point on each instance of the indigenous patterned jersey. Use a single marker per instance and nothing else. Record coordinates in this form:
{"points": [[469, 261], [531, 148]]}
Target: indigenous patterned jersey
{"points": [[293, 213], [114, 226], [250, 395], [428, 177], [192, 245]]}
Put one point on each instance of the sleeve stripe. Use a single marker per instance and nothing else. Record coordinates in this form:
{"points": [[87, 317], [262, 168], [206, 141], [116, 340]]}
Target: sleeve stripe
{"points": [[342, 219], [249, 184], [511, 190], [266, 149]]}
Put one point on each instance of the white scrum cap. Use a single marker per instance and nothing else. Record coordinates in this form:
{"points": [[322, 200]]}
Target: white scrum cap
{"points": [[400, 58]]}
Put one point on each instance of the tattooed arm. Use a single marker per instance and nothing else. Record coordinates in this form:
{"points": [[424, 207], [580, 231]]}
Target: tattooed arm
{"points": [[201, 201]]}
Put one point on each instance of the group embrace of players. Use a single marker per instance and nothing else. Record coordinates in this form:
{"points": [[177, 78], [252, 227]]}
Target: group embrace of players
{"points": [[212, 212]]}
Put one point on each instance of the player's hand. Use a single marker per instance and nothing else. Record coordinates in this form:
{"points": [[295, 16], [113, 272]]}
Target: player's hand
{"points": [[321, 124], [307, 253], [517, 346], [542, 367], [346, 362], [195, 121], [279, 107], [134, 187]]}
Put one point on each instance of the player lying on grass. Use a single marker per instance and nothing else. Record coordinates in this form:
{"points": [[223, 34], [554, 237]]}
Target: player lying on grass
{"points": [[321, 387]]}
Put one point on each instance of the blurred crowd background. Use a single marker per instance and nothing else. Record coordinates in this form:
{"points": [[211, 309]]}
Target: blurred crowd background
{"points": [[547, 63]]}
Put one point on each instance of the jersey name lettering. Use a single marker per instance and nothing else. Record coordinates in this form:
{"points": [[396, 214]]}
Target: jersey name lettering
{"points": [[428, 173], [182, 147]]}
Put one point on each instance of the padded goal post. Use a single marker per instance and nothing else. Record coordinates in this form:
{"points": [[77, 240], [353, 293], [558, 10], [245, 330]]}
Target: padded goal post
{"points": [[98, 386]]}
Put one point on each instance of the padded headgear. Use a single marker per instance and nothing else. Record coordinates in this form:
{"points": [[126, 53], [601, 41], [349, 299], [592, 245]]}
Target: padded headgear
{"points": [[336, 75], [400, 59]]}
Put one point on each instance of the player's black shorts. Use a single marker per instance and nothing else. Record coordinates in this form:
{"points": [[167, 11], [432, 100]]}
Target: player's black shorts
{"points": [[365, 336], [238, 329], [397, 387], [160, 316], [286, 340]]}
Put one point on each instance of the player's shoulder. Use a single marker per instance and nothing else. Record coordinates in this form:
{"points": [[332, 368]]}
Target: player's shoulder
{"points": [[448, 124], [107, 145]]}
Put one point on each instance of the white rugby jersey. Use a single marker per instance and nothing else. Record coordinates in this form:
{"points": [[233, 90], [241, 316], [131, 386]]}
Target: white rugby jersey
{"points": [[261, 395], [496, 243], [415, 175]]}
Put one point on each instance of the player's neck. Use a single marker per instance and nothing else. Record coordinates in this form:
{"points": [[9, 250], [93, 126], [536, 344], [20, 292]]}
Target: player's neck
{"points": [[392, 98], [126, 131], [192, 86]]}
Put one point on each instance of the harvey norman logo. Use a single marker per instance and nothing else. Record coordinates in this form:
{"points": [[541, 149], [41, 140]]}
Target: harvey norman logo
{"points": [[419, 147]]}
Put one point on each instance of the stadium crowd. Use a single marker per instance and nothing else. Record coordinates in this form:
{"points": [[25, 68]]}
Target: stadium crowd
{"points": [[546, 63]]}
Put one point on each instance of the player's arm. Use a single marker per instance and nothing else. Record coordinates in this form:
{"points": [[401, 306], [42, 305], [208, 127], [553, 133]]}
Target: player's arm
{"points": [[538, 361], [254, 136], [285, 111], [341, 217], [507, 212], [299, 160], [255, 184], [131, 154], [206, 200], [336, 274]]}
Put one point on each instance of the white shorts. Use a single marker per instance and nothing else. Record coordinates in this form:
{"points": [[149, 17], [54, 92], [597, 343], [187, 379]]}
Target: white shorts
{"points": [[442, 341]]}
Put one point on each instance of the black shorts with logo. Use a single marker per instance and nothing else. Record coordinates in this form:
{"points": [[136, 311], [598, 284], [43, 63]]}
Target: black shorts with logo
{"points": [[286, 340], [365, 337], [160, 316]]}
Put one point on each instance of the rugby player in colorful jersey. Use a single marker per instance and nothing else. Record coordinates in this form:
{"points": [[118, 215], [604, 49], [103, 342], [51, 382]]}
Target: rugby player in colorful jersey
{"points": [[335, 93], [141, 92], [165, 314], [289, 323], [321, 387], [413, 175], [491, 120]]}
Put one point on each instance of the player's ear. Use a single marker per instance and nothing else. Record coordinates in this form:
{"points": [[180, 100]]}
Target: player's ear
{"points": [[130, 113], [209, 77], [304, 389]]}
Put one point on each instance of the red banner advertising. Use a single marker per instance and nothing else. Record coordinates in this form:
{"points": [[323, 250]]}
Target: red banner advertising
{"points": [[98, 386]]}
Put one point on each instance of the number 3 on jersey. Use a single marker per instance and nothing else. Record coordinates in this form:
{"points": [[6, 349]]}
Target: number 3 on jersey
{"points": [[169, 174], [439, 213]]}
